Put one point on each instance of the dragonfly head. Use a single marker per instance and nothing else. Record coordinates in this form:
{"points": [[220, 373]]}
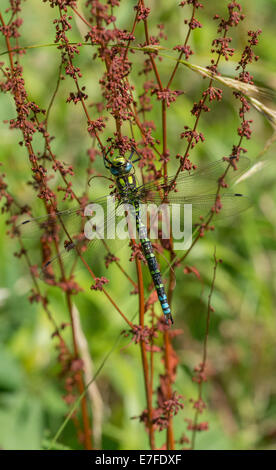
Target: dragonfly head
{"points": [[120, 166]]}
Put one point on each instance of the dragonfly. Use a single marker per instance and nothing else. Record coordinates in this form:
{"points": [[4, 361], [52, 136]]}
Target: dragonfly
{"points": [[200, 187]]}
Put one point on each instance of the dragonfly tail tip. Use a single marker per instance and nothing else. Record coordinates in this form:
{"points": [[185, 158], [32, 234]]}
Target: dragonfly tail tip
{"points": [[169, 319]]}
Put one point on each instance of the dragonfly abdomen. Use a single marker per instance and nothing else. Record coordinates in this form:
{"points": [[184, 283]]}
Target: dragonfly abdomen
{"points": [[153, 267]]}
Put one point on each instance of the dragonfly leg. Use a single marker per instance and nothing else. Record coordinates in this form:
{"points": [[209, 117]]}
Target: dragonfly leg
{"points": [[134, 151]]}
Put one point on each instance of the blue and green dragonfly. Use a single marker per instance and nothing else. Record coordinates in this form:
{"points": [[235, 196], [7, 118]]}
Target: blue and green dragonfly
{"points": [[199, 187]]}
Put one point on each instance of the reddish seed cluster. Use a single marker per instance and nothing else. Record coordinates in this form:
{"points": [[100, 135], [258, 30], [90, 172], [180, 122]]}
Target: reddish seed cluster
{"points": [[67, 190], [195, 3], [193, 137], [169, 96], [11, 30], [247, 57], [69, 286], [5, 195], [96, 126], [184, 439], [116, 90], [192, 269], [245, 129], [199, 373], [163, 412], [113, 3], [198, 405], [235, 16], [76, 97], [35, 297], [110, 258], [136, 253], [193, 23], [199, 107], [99, 283], [143, 333], [152, 299], [162, 34], [186, 50], [213, 93], [62, 4], [173, 405], [221, 47], [218, 204], [142, 12], [204, 426]]}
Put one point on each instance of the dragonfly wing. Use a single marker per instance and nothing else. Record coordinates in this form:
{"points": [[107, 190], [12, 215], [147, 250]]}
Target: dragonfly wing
{"points": [[195, 210], [53, 222], [202, 207], [65, 261], [201, 181], [79, 253], [230, 206], [83, 252], [71, 233]]}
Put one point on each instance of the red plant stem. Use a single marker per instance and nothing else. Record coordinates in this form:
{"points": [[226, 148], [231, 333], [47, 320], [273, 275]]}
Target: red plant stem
{"points": [[9, 48], [94, 277], [196, 122], [81, 17], [80, 381], [147, 381], [150, 54], [120, 267], [106, 293], [47, 311], [79, 92], [164, 132], [152, 351], [167, 345], [132, 32], [87, 431], [79, 375], [181, 54], [139, 125], [170, 436], [53, 96], [167, 353], [204, 357]]}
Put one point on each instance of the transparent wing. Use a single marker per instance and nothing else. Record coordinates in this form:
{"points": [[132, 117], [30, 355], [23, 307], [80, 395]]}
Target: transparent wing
{"points": [[204, 180], [171, 219], [201, 205], [83, 251], [50, 224], [69, 230], [204, 206]]}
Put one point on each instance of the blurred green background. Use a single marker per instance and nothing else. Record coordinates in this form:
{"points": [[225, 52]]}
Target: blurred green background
{"points": [[241, 391]]}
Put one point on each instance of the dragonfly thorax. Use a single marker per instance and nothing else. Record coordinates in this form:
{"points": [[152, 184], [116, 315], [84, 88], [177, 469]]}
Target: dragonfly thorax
{"points": [[126, 184]]}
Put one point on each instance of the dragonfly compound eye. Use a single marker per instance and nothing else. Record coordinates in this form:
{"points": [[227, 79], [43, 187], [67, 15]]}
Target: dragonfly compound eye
{"points": [[128, 167], [118, 161], [120, 166]]}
